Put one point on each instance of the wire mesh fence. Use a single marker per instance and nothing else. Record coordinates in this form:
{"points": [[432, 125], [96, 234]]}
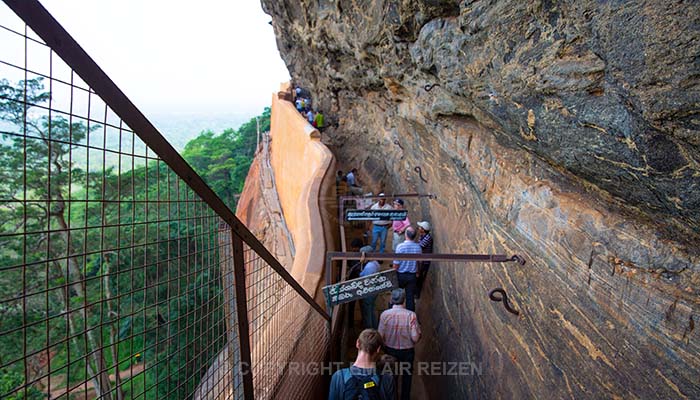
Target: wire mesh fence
{"points": [[289, 339], [116, 274], [109, 275]]}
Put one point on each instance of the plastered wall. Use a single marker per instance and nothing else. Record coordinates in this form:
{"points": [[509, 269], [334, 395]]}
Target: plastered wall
{"points": [[303, 168]]}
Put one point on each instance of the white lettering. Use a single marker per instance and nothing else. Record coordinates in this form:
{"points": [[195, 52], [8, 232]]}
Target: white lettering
{"points": [[423, 368]]}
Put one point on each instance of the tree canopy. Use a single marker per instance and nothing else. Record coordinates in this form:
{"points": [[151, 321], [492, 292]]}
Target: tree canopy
{"points": [[96, 267], [223, 160]]}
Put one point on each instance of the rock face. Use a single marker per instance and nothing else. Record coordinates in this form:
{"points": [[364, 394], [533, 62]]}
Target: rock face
{"points": [[567, 132]]}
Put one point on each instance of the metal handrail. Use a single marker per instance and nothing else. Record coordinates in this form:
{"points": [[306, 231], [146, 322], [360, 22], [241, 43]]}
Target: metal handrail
{"points": [[461, 258], [55, 36]]}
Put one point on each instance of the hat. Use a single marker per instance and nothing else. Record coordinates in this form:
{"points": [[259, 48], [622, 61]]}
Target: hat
{"points": [[366, 249], [425, 225], [398, 296], [398, 201], [381, 194]]}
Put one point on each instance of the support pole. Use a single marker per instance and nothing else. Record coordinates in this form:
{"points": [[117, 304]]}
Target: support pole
{"points": [[242, 317]]}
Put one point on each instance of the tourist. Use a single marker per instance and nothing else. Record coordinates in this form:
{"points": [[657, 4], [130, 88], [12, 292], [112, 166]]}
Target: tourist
{"points": [[338, 177], [399, 227], [400, 330], [367, 304], [355, 246], [353, 182], [310, 117], [343, 188], [407, 269], [351, 177], [362, 376], [380, 227], [318, 119], [353, 273], [426, 245]]}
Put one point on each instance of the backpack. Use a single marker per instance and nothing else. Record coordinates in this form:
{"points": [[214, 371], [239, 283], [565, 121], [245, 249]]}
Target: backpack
{"points": [[361, 387]]}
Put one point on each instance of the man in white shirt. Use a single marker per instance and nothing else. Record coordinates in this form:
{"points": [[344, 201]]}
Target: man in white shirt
{"points": [[380, 228]]}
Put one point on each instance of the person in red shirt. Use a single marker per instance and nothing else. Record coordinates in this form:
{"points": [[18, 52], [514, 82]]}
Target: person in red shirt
{"points": [[400, 330], [399, 227]]}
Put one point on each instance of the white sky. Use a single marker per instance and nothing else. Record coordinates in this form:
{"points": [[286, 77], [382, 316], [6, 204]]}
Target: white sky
{"points": [[194, 57]]}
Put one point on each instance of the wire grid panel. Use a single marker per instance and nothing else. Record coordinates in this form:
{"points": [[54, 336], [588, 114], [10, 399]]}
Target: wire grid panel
{"points": [[288, 337], [110, 265]]}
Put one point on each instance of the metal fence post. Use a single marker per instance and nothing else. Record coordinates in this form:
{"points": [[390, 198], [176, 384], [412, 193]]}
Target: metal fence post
{"points": [[227, 283], [242, 316]]}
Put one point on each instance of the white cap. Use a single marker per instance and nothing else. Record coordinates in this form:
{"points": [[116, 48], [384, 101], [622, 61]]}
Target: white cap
{"points": [[425, 225]]}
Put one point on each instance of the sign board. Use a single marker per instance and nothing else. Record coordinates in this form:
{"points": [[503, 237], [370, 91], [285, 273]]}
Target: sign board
{"points": [[360, 288], [376, 215]]}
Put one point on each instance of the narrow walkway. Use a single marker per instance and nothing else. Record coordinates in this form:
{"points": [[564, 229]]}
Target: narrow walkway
{"points": [[351, 325]]}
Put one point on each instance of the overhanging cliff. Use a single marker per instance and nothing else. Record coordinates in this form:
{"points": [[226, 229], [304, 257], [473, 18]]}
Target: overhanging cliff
{"points": [[565, 131]]}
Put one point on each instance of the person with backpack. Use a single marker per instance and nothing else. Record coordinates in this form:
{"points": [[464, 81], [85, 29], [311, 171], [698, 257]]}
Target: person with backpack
{"points": [[361, 381]]}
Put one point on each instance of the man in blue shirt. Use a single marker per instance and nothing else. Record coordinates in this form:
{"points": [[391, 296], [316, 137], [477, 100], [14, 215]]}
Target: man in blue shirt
{"points": [[353, 183], [351, 177], [408, 269]]}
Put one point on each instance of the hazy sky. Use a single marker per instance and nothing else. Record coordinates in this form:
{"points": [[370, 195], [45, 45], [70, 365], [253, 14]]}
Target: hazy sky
{"points": [[191, 57]]}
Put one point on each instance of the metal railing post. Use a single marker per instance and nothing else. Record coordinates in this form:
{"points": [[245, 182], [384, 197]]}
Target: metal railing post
{"points": [[227, 283], [242, 316]]}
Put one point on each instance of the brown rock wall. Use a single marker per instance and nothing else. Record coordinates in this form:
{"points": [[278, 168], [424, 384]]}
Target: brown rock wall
{"points": [[563, 131]]}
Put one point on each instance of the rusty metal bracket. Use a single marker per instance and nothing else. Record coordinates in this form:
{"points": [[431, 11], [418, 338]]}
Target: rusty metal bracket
{"points": [[420, 173], [396, 142], [519, 259], [430, 87], [503, 298]]}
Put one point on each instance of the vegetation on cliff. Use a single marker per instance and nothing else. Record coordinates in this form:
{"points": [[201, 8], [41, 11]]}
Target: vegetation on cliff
{"points": [[223, 160], [71, 309]]}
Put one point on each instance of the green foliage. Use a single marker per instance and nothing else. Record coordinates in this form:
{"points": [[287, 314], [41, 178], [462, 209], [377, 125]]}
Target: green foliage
{"points": [[131, 269], [13, 102], [224, 160], [11, 381]]}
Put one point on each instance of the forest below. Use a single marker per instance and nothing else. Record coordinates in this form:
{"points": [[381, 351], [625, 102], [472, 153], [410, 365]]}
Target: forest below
{"points": [[108, 262]]}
